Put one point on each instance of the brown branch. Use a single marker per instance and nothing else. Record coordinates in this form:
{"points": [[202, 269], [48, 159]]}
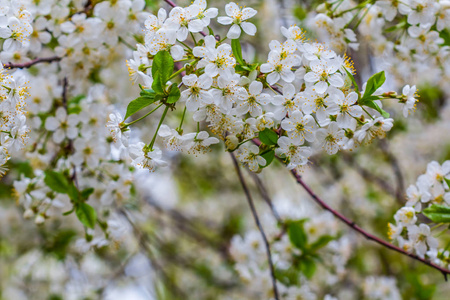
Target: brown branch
{"points": [[370, 177], [265, 195], [143, 240], [395, 168], [258, 224], [353, 225], [31, 63], [367, 235]]}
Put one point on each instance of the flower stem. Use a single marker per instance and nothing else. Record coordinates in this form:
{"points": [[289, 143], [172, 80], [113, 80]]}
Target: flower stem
{"points": [[181, 123], [157, 129], [137, 120]]}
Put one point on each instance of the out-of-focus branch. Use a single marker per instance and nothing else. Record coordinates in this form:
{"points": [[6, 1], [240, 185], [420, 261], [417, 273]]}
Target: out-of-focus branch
{"points": [[370, 177], [258, 224], [395, 168], [358, 229], [367, 235], [265, 195], [142, 239], [31, 63]]}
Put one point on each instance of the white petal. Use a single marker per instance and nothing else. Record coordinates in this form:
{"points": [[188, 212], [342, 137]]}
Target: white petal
{"points": [[248, 28]]}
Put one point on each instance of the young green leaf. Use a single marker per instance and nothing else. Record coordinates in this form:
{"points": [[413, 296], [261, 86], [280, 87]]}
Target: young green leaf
{"points": [[447, 181], [268, 156], [86, 214], [73, 193], [321, 242], [375, 106], [174, 94], [353, 81], [138, 104], [162, 69], [268, 137], [86, 193], [297, 234], [56, 181], [237, 51], [308, 267], [374, 83], [438, 213]]}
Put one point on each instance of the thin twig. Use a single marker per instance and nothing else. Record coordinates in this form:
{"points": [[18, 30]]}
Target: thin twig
{"points": [[370, 177], [265, 195], [353, 225], [395, 168], [369, 236], [142, 239], [31, 62], [258, 224]]}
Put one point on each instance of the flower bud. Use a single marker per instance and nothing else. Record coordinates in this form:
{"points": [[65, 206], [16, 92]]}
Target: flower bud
{"points": [[28, 214], [231, 142], [39, 219]]}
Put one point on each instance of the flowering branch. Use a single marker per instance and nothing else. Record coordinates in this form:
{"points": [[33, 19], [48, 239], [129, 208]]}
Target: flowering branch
{"points": [[353, 225], [258, 224], [367, 235], [31, 63], [265, 195]]}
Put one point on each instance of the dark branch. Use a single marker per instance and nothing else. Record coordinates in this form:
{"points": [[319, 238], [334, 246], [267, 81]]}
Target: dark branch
{"points": [[31, 63], [258, 224]]}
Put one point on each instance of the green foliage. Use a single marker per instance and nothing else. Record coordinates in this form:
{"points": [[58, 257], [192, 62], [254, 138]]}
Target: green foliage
{"points": [[353, 81], [56, 181], [237, 51], [86, 214], [162, 69], [268, 156], [374, 83], [438, 213], [268, 137], [147, 97], [430, 102], [297, 234], [57, 244], [174, 94]]}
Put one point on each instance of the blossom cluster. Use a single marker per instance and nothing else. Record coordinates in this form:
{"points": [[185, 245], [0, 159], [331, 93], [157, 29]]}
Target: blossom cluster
{"points": [[14, 130], [430, 193], [404, 35], [304, 99]]}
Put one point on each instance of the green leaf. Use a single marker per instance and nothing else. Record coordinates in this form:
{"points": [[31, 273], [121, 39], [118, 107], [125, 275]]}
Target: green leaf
{"points": [[174, 93], [56, 181], [73, 193], [268, 137], [86, 193], [26, 169], [374, 83], [211, 32], [350, 75], [288, 276], [447, 181], [308, 267], [375, 106], [147, 92], [138, 104], [162, 69], [297, 234], [438, 213], [321, 242], [268, 156], [86, 214], [237, 51], [76, 99]]}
